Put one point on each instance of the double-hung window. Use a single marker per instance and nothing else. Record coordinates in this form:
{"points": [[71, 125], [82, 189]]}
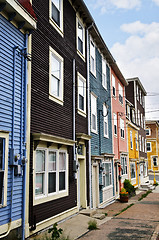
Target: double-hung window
{"points": [[148, 132], [139, 122], [120, 94], [122, 132], [140, 143], [56, 15], [4, 140], [143, 144], [136, 140], [113, 85], [115, 124], [107, 174], [92, 57], [51, 173], [131, 140], [155, 161], [56, 77], [128, 112], [104, 73], [105, 115], [132, 170], [93, 113], [148, 146], [123, 165], [133, 116], [81, 95], [80, 38]]}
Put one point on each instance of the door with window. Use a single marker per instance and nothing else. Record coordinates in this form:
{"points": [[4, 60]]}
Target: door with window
{"points": [[141, 173]]}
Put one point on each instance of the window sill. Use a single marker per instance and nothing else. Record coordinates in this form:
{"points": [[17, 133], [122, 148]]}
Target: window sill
{"points": [[81, 55], [105, 136], [50, 197], [55, 99], [93, 131], [58, 29], [93, 73], [83, 114], [107, 187]]}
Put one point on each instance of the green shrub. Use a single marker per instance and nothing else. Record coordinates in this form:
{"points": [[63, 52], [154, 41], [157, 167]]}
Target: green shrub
{"points": [[55, 232], [129, 187], [92, 225]]}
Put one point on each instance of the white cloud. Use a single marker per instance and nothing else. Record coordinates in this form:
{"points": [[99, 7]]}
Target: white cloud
{"points": [[106, 5], [156, 1], [139, 56]]}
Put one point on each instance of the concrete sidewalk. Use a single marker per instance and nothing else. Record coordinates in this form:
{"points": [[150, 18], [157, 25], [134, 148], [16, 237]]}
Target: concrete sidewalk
{"points": [[76, 226]]}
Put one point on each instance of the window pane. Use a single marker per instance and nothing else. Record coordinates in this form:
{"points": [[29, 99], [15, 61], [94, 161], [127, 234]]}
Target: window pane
{"points": [[93, 122], [40, 160], [52, 161], [81, 102], [55, 86], [56, 3], [62, 181], [1, 153], [62, 161], [39, 188], [81, 87], [52, 182], [80, 31], [1, 185], [56, 14], [55, 67]]}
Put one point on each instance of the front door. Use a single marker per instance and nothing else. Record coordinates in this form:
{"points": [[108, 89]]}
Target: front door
{"points": [[141, 173], [82, 192], [95, 185]]}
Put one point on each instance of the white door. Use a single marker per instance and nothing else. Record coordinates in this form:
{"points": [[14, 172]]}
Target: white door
{"points": [[141, 173]]}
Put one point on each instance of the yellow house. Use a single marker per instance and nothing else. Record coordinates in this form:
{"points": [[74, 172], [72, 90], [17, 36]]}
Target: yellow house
{"points": [[152, 139]]}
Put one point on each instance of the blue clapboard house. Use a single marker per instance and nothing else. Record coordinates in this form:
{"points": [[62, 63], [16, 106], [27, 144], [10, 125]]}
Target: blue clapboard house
{"points": [[15, 25]]}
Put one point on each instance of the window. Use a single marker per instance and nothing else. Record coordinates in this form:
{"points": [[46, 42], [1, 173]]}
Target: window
{"points": [[92, 57], [123, 165], [131, 140], [104, 73], [140, 142], [133, 116], [143, 144], [105, 114], [120, 94], [142, 120], [81, 95], [93, 113], [139, 117], [148, 132], [132, 170], [80, 38], [56, 77], [148, 146], [113, 85], [154, 161], [122, 128], [115, 124], [137, 91], [56, 15], [136, 140], [4, 141], [107, 174], [51, 172], [128, 112]]}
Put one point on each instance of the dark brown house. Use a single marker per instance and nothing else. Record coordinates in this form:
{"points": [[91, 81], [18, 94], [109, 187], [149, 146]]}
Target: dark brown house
{"points": [[135, 93], [59, 166]]}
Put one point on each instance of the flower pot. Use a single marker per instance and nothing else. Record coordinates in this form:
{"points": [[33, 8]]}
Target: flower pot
{"points": [[123, 198]]}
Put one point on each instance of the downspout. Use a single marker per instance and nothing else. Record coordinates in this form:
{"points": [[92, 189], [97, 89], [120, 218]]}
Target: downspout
{"points": [[12, 145], [74, 119], [24, 160], [118, 127], [88, 108]]}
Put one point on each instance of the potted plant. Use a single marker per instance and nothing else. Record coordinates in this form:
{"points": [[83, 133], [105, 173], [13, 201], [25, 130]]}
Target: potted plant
{"points": [[123, 195]]}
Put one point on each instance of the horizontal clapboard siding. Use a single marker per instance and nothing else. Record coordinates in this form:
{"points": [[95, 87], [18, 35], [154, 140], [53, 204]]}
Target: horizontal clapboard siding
{"points": [[9, 38]]}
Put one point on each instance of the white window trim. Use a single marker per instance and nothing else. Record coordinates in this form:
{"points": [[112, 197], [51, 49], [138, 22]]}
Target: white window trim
{"points": [[140, 144], [149, 131], [93, 130], [131, 140], [113, 85], [51, 96], [80, 111], [143, 144], [122, 127], [48, 196], [52, 22], [104, 63], [150, 147], [5, 135], [120, 90], [105, 120], [84, 44], [125, 165], [136, 141], [93, 72], [156, 161]]}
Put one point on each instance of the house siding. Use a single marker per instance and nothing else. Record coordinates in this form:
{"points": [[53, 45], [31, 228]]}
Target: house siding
{"points": [[9, 38]]}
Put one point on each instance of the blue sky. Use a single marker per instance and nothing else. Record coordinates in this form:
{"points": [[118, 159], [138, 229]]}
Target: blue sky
{"points": [[130, 29]]}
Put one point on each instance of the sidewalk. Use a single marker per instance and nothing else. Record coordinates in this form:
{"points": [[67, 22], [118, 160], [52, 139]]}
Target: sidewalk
{"points": [[142, 217]]}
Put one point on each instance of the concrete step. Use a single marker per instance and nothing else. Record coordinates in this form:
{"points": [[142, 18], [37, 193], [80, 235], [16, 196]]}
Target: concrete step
{"points": [[88, 212], [99, 216]]}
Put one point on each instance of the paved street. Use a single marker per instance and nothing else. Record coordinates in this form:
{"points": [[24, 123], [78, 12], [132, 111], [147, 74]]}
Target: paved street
{"points": [[137, 222]]}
